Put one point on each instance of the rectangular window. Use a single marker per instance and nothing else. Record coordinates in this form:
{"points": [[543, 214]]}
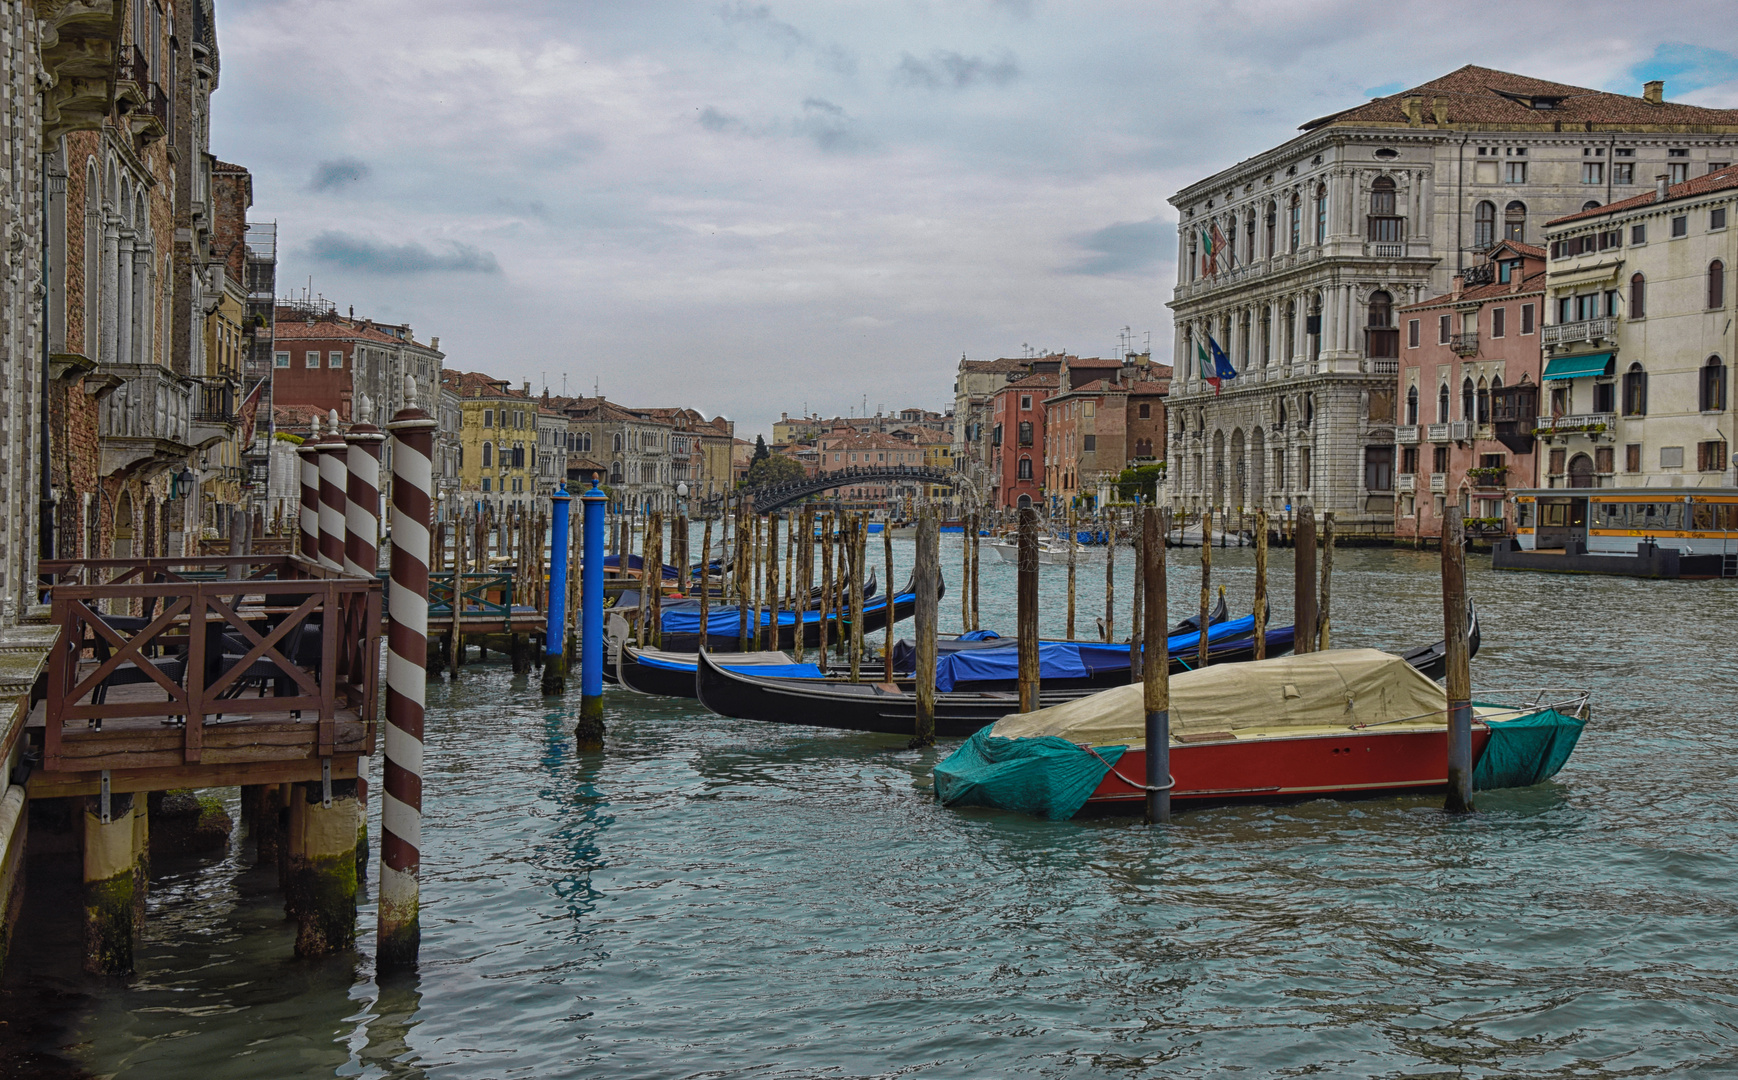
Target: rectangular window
{"points": [[1439, 459], [1025, 402], [1565, 309], [1593, 172], [1442, 330], [1025, 433], [1146, 411], [281, 360], [489, 418], [1499, 321], [1680, 226], [1409, 460], [1677, 173], [1602, 457], [1558, 457], [335, 359], [486, 488], [1089, 443], [1638, 234], [1717, 218], [1412, 334], [1303, 468], [1632, 457], [1711, 456], [1514, 172], [1379, 468], [1526, 318], [1716, 166], [312, 359], [1622, 172]]}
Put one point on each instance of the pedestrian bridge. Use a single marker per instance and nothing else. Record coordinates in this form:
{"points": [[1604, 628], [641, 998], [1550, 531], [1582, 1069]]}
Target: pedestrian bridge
{"points": [[771, 497]]}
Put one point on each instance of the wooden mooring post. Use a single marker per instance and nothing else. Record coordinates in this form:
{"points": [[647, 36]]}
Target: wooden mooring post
{"points": [[1261, 584], [705, 584], [826, 598], [1303, 540], [1109, 631], [927, 581], [859, 545], [1322, 609], [977, 612], [1458, 670], [1206, 585], [1156, 674], [1027, 609], [1072, 547], [1136, 628]]}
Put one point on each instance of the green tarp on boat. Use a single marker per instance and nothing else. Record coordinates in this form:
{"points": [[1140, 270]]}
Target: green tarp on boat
{"points": [[1044, 776], [1526, 750]]}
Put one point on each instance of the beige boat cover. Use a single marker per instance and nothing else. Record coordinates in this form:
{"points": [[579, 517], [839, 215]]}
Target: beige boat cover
{"points": [[1336, 688]]}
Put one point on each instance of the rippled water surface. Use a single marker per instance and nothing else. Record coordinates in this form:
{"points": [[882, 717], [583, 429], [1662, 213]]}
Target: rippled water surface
{"points": [[722, 898]]}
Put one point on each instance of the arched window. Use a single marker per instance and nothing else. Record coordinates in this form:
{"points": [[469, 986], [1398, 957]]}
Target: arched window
{"points": [[92, 242], [1713, 385], [1381, 308], [1484, 225], [1412, 405], [1321, 213], [1590, 204], [1281, 422], [1382, 197], [1025, 468], [1580, 471], [1484, 403], [1716, 284], [1466, 399], [1309, 404], [1296, 222], [1442, 404], [1249, 237], [1272, 226], [488, 455], [1515, 221], [1635, 391], [1637, 297], [616, 439]]}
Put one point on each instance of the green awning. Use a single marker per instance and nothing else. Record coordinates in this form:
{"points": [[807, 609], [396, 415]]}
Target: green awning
{"points": [[1580, 367]]}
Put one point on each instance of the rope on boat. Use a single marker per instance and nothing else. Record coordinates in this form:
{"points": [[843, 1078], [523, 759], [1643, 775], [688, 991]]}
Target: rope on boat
{"points": [[1172, 780]]}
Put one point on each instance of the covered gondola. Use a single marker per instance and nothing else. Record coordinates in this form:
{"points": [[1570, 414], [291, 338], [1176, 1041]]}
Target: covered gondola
{"points": [[723, 631], [669, 674]]}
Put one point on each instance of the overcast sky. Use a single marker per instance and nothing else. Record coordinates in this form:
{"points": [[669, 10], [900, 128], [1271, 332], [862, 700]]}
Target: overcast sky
{"points": [[748, 207]]}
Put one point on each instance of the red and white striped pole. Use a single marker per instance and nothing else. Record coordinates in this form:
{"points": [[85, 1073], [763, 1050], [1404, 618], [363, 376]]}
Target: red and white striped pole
{"points": [[309, 452], [334, 485], [362, 516], [406, 677]]}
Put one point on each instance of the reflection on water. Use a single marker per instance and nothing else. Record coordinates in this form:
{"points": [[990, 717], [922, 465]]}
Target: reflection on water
{"points": [[722, 898]]}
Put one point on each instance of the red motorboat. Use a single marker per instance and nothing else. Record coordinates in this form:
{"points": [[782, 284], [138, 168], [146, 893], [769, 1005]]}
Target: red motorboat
{"points": [[1346, 722]]}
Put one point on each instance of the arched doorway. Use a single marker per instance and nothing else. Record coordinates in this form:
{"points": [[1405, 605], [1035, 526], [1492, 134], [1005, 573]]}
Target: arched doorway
{"points": [[1025, 502], [123, 533], [1580, 471], [1239, 467]]}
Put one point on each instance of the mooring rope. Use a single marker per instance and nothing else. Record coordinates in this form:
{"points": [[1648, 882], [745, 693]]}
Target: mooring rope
{"points": [[1163, 787]]}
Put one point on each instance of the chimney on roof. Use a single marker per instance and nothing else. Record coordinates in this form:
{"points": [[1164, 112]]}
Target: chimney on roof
{"points": [[1654, 93], [434, 343], [1439, 110], [527, 390], [1458, 285], [1413, 107], [1662, 186]]}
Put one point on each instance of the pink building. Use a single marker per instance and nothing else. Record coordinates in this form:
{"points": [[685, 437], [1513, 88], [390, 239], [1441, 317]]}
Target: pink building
{"points": [[1468, 389]]}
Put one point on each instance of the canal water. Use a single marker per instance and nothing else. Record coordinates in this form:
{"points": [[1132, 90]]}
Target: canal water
{"points": [[719, 898]]}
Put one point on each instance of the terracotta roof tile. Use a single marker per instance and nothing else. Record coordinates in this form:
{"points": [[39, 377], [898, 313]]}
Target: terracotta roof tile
{"points": [[1479, 95], [1701, 185]]}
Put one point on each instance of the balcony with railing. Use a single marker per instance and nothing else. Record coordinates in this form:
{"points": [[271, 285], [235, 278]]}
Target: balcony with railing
{"points": [[1465, 344], [1437, 433], [146, 418], [1489, 478], [1603, 328], [1406, 435], [1406, 482], [1593, 425], [138, 96], [1439, 482]]}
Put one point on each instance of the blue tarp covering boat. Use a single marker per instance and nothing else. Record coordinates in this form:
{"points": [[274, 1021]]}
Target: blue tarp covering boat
{"points": [[1067, 659]]}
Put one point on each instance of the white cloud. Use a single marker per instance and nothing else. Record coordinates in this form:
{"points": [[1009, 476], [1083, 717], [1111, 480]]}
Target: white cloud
{"points": [[744, 206]]}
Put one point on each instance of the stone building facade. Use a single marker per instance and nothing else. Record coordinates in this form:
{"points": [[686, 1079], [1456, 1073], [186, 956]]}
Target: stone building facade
{"points": [[1639, 340], [1293, 261]]}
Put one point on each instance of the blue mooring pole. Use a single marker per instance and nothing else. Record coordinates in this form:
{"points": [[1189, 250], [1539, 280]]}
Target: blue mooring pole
{"points": [[588, 733], [555, 635]]}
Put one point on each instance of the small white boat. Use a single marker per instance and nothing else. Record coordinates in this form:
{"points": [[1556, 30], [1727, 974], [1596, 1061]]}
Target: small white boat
{"points": [[1051, 552]]}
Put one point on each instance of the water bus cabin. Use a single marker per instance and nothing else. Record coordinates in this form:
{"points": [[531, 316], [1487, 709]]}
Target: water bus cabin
{"points": [[1634, 532]]}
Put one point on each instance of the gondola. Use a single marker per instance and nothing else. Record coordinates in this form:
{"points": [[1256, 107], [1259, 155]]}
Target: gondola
{"points": [[1433, 659], [668, 674], [892, 708], [681, 625]]}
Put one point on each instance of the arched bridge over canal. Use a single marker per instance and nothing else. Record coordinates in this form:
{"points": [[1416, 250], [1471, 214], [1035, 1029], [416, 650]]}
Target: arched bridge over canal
{"points": [[771, 497]]}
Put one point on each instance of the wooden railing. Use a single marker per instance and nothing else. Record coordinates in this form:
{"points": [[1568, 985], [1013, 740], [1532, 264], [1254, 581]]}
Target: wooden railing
{"points": [[327, 623], [484, 593]]}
